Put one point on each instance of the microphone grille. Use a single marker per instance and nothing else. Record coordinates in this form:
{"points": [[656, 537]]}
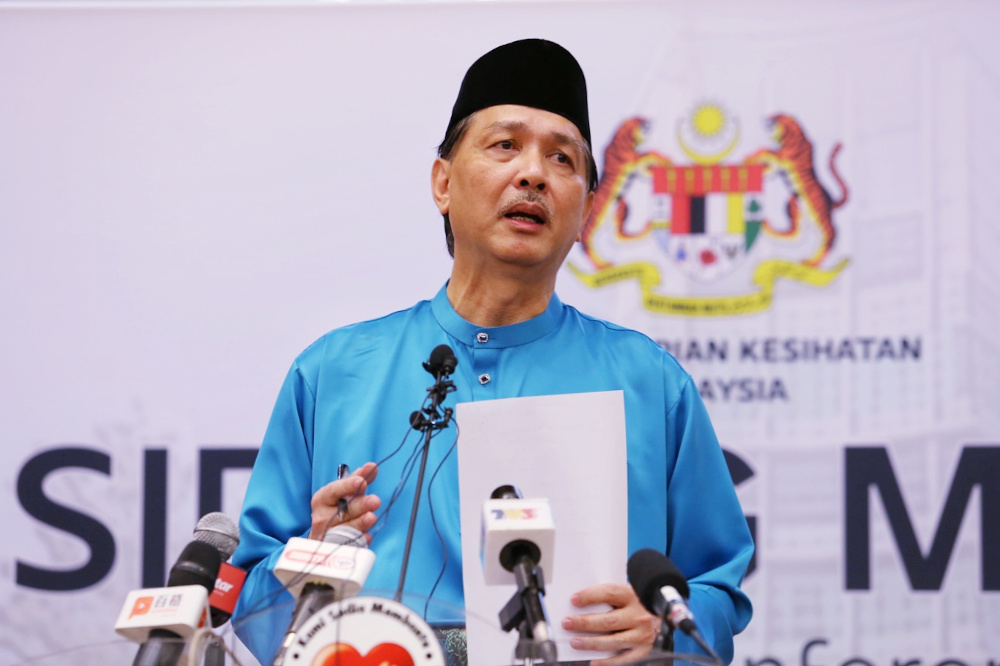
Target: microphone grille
{"points": [[345, 535], [218, 530], [649, 570]]}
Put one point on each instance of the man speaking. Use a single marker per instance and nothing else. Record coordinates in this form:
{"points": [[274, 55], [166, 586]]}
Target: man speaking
{"points": [[515, 181]]}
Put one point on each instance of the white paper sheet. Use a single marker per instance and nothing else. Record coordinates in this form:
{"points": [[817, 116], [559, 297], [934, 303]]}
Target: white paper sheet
{"points": [[569, 449]]}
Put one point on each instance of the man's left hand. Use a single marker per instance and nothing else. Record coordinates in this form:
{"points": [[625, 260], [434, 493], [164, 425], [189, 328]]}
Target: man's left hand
{"points": [[628, 629]]}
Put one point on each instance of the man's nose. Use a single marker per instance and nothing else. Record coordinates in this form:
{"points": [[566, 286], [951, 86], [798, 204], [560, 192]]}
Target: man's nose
{"points": [[531, 174]]}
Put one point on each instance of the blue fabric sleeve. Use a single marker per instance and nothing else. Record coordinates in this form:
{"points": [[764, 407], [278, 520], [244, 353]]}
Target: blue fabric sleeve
{"points": [[276, 507], [707, 534]]}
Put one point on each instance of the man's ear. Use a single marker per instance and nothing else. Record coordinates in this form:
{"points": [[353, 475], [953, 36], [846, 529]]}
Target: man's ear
{"points": [[440, 175], [588, 205]]}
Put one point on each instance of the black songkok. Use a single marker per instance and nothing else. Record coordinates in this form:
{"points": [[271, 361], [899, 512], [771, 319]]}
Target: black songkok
{"points": [[530, 72]]}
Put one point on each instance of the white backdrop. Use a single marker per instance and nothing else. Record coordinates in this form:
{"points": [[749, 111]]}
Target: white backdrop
{"points": [[189, 195]]}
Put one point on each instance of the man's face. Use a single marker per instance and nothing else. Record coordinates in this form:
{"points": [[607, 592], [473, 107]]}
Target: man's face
{"points": [[515, 190]]}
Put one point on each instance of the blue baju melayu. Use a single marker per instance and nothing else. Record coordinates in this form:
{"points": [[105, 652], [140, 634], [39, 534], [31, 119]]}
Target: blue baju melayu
{"points": [[347, 399]]}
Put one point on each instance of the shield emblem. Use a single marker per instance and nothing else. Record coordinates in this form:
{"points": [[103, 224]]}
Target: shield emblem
{"points": [[710, 216]]}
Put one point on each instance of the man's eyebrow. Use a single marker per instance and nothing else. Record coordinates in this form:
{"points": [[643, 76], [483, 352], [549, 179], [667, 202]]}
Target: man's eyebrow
{"points": [[509, 125], [566, 139]]}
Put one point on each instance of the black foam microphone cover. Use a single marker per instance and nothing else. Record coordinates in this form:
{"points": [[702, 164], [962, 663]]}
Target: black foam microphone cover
{"points": [[648, 571], [507, 492], [442, 359], [198, 564]]}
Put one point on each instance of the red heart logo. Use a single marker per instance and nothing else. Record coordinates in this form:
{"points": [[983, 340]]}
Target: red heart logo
{"points": [[383, 654]]}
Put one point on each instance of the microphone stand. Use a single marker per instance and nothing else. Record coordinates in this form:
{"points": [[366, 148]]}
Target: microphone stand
{"points": [[664, 643], [427, 420], [215, 653], [663, 648], [525, 611]]}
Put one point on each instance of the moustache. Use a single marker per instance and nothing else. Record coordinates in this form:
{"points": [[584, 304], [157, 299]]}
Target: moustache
{"points": [[529, 196]]}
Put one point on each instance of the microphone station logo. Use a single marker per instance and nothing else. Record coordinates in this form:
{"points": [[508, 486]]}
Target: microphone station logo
{"points": [[721, 235], [515, 514], [182, 609], [228, 586], [366, 631], [141, 606], [161, 603], [383, 654], [313, 558]]}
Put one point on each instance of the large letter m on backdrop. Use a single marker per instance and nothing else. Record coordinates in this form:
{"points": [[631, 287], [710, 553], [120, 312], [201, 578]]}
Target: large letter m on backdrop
{"points": [[870, 466]]}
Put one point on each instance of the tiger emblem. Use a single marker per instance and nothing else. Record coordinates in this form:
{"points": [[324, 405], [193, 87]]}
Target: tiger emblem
{"points": [[622, 163], [793, 161]]}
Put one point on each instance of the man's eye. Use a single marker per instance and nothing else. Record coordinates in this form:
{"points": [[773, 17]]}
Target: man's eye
{"points": [[506, 145], [563, 158]]}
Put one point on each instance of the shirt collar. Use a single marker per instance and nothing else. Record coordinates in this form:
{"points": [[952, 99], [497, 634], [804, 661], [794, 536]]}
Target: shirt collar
{"points": [[496, 337]]}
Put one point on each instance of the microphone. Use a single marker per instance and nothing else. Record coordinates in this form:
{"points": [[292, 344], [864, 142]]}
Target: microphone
{"points": [[221, 531], [197, 566], [519, 536], [442, 361], [162, 619], [427, 419], [320, 573], [662, 589], [512, 524]]}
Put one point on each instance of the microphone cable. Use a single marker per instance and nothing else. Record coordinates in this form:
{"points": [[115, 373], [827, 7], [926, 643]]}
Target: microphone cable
{"points": [[404, 478], [437, 530], [264, 603]]}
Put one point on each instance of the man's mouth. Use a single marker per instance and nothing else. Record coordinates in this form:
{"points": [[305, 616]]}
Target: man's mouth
{"points": [[525, 217], [527, 211]]}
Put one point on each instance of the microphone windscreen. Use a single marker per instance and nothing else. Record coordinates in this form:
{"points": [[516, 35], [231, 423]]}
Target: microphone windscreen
{"points": [[219, 530], [198, 564], [507, 492], [443, 357], [648, 571]]}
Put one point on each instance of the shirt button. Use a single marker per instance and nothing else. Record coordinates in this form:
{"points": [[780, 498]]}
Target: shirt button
{"points": [[484, 378], [482, 337]]}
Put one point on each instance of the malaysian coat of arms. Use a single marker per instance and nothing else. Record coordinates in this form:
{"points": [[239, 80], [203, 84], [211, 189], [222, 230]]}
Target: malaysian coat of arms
{"points": [[710, 220]]}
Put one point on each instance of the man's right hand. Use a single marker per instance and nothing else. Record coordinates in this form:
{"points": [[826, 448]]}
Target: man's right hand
{"points": [[361, 507]]}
